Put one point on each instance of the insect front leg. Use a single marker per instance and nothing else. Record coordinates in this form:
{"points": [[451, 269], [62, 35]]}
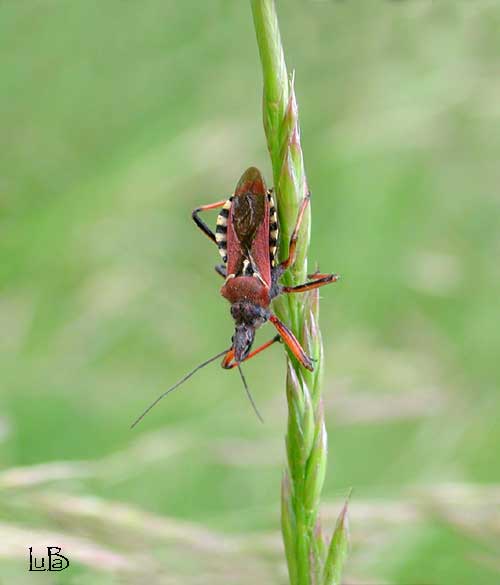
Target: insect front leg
{"points": [[292, 343], [201, 224], [227, 362]]}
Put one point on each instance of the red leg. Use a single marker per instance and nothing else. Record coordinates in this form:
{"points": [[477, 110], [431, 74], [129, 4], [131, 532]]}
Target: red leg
{"points": [[292, 343], [201, 224], [317, 274], [295, 234], [228, 358], [316, 283]]}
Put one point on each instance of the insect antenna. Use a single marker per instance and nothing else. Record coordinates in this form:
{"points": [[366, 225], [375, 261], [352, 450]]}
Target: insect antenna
{"points": [[177, 384], [247, 390]]}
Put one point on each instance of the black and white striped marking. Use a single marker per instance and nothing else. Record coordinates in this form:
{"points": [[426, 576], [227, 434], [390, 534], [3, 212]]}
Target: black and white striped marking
{"points": [[221, 229], [273, 228]]}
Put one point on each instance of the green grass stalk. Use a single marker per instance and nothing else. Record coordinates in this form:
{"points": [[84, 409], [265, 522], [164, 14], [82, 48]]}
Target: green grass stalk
{"points": [[310, 561]]}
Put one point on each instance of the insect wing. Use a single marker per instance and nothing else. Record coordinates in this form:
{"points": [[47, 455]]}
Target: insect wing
{"points": [[248, 228]]}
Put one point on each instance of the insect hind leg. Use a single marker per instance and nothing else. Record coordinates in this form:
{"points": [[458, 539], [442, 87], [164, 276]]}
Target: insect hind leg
{"points": [[292, 247], [201, 224]]}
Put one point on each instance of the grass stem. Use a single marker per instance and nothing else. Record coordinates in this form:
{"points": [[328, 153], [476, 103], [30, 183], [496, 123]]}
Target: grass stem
{"points": [[310, 560]]}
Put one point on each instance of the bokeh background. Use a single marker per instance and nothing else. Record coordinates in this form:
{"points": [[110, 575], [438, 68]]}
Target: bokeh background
{"points": [[117, 118]]}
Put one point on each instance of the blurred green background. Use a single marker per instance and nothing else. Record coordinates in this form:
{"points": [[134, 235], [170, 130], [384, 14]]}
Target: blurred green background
{"points": [[117, 118]]}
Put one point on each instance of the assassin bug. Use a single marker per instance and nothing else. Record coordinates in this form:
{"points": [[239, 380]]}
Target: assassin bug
{"points": [[246, 235], [247, 238]]}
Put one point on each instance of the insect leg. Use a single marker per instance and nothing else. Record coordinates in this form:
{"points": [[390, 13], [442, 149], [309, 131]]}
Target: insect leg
{"points": [[201, 224], [320, 280], [317, 274], [228, 358], [221, 269], [295, 234], [292, 343]]}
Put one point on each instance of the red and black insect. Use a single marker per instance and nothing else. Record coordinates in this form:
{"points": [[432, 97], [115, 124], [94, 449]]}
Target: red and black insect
{"points": [[246, 234], [247, 238]]}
